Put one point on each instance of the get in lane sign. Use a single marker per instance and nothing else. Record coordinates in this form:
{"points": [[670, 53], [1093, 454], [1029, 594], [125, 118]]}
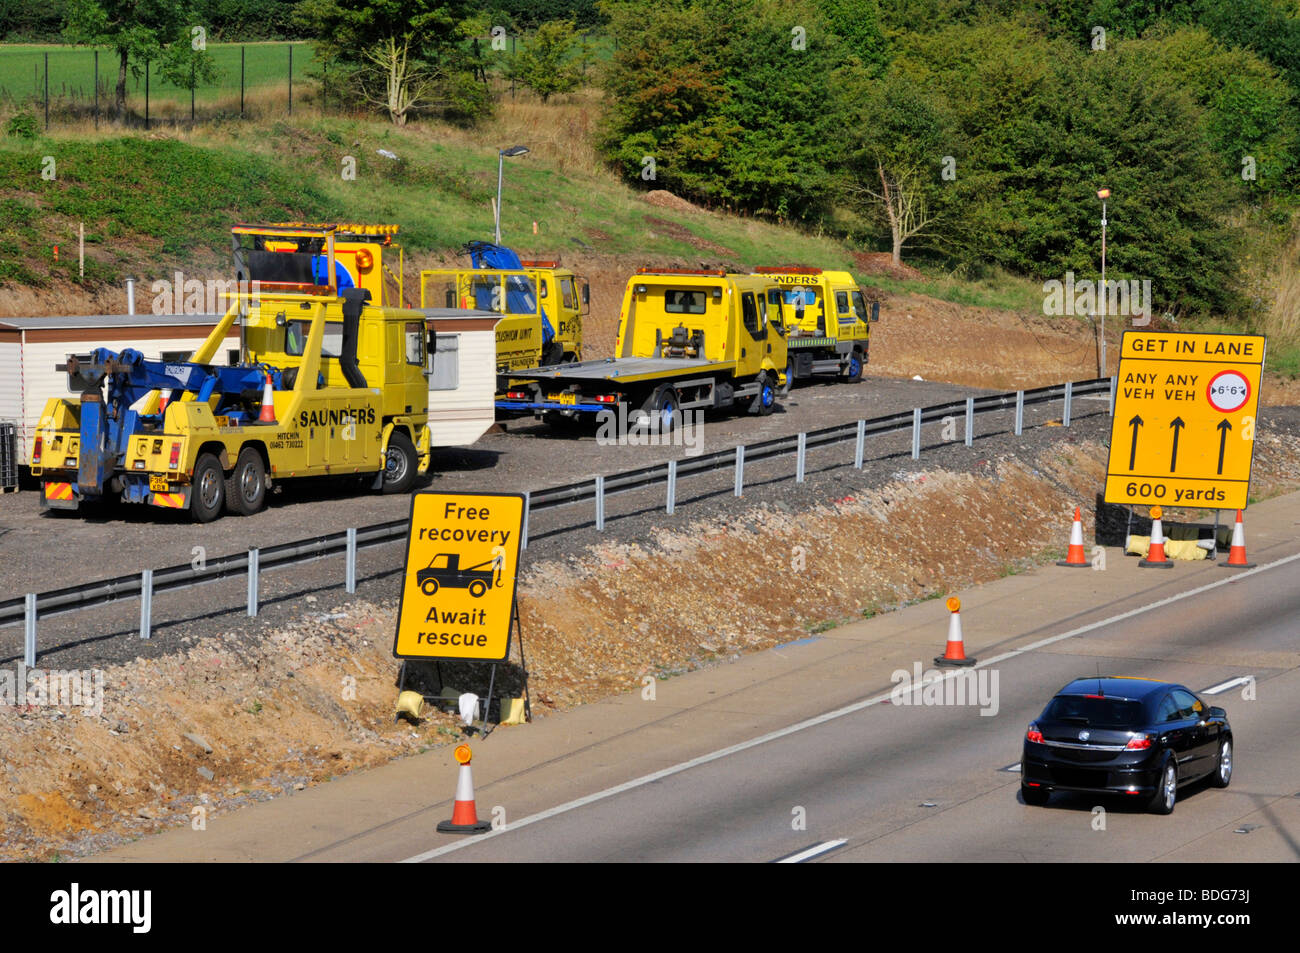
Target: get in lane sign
{"points": [[462, 559], [1184, 427]]}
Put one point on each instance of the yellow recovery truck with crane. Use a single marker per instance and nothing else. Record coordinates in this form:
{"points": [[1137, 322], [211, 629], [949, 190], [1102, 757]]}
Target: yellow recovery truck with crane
{"points": [[686, 340], [331, 382]]}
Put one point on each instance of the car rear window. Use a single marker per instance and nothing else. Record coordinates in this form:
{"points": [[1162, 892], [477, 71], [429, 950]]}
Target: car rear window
{"points": [[1095, 712]]}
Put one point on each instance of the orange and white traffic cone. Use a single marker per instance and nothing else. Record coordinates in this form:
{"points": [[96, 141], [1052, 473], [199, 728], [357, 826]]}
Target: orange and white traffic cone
{"points": [[267, 416], [1237, 554], [464, 818], [1156, 558], [1075, 556], [955, 653]]}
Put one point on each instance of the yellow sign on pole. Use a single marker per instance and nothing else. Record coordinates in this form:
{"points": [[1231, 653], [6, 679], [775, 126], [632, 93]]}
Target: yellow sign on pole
{"points": [[462, 560], [1184, 427]]}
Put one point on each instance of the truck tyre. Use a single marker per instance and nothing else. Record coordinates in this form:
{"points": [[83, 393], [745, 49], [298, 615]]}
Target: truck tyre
{"points": [[789, 378], [477, 588], [664, 408], [208, 489], [429, 587], [764, 401], [400, 463], [554, 354], [246, 485], [853, 372]]}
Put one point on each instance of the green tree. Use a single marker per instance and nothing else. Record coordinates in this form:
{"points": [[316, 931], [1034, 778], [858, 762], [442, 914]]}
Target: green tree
{"points": [[545, 63], [137, 30], [401, 54]]}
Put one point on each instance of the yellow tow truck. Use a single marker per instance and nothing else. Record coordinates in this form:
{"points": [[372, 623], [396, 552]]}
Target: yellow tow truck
{"points": [[541, 303], [686, 340], [828, 331], [330, 382]]}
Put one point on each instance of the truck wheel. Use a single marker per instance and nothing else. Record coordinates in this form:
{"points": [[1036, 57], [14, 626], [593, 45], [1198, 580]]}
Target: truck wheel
{"points": [[477, 588], [664, 408], [208, 492], [554, 354], [400, 463], [764, 401], [429, 587], [789, 378], [246, 485], [853, 373]]}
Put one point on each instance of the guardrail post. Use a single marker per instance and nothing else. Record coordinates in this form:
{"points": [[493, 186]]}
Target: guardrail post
{"points": [[350, 575], [523, 535], [801, 459], [862, 443], [1069, 396], [600, 503], [740, 470], [1110, 409], [252, 583], [970, 420], [672, 487], [29, 632], [916, 434], [1020, 412], [146, 603]]}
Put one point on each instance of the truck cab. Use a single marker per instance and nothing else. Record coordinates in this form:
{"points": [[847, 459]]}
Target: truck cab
{"points": [[828, 331]]}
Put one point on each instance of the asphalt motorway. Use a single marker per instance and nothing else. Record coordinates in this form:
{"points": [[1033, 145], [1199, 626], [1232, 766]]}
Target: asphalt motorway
{"points": [[798, 751]]}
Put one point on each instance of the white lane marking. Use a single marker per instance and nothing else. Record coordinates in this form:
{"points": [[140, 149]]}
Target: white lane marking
{"points": [[823, 718], [812, 852], [1012, 768], [1231, 683]]}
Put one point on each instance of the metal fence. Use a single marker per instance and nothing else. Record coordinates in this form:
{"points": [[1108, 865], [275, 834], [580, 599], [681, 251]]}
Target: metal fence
{"points": [[145, 585]]}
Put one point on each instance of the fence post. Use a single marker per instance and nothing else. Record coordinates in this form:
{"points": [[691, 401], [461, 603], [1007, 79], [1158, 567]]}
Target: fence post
{"points": [[146, 95], [192, 84], [600, 503], [862, 444], [672, 487], [241, 82], [29, 632], [528, 504], [970, 420], [350, 578], [1110, 409], [47, 92], [290, 79], [740, 470], [96, 89], [1069, 397], [800, 461], [146, 603], [916, 434], [1020, 412], [252, 583]]}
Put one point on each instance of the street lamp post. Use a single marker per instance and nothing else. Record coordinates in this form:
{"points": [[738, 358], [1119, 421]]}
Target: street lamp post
{"points": [[1103, 194], [501, 163]]}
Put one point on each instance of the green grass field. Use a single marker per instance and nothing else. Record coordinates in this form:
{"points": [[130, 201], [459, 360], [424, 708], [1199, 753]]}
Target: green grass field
{"points": [[72, 73]]}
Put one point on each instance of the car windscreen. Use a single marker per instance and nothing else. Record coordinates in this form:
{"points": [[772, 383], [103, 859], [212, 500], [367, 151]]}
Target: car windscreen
{"points": [[1094, 711]]}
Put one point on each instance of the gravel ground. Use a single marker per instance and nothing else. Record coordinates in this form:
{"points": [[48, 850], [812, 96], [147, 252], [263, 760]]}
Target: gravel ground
{"points": [[110, 633]]}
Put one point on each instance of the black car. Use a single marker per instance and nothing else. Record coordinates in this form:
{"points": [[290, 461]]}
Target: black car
{"points": [[1125, 736]]}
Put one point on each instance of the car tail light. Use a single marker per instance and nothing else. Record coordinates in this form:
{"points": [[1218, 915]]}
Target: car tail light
{"points": [[175, 460], [606, 398], [1140, 743], [1034, 735], [516, 395], [36, 451]]}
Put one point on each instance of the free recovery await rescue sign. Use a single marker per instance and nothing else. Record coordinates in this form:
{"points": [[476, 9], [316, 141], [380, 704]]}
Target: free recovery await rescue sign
{"points": [[462, 560], [1184, 427]]}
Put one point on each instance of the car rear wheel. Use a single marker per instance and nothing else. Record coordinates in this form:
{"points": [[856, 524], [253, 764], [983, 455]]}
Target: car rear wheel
{"points": [[1222, 776], [1035, 796], [1167, 792]]}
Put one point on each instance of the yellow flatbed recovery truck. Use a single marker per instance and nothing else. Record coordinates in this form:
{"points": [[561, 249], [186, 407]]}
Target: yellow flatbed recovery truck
{"points": [[828, 331], [686, 340], [329, 383]]}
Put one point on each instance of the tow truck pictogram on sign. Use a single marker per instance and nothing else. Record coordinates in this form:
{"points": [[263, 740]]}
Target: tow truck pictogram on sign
{"points": [[444, 570]]}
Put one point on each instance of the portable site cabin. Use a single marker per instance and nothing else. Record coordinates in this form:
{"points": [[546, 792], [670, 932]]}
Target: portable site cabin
{"points": [[30, 348], [462, 379]]}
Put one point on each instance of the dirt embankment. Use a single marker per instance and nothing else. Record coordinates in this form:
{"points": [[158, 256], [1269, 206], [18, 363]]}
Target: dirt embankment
{"points": [[187, 736]]}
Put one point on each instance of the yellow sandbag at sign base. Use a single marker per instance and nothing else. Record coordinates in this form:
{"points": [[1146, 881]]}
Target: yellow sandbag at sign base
{"points": [[1187, 549], [512, 710]]}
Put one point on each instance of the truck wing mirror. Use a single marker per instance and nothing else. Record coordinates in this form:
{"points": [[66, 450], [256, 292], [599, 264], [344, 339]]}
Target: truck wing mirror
{"points": [[586, 293], [875, 311]]}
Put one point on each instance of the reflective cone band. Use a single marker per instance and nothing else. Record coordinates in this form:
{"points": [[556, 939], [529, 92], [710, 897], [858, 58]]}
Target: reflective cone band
{"points": [[464, 816], [955, 653], [1156, 558], [1075, 556], [1237, 554]]}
